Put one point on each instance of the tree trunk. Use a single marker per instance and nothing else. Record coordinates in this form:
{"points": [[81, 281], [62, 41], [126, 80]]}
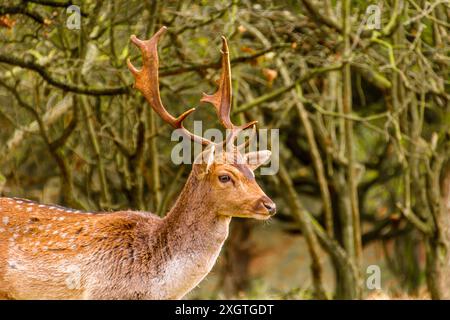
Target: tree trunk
{"points": [[438, 246]]}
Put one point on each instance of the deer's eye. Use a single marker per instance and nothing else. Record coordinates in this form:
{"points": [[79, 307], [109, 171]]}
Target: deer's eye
{"points": [[224, 178]]}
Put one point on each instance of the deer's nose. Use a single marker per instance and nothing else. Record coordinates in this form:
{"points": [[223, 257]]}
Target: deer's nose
{"points": [[270, 206]]}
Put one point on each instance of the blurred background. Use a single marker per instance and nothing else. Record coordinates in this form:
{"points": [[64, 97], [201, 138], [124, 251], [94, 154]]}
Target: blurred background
{"points": [[358, 90]]}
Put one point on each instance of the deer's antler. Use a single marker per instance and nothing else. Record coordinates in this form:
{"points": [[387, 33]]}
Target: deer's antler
{"points": [[147, 82], [221, 100]]}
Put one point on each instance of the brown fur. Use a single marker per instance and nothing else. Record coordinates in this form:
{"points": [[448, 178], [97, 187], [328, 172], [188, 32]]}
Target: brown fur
{"points": [[49, 252]]}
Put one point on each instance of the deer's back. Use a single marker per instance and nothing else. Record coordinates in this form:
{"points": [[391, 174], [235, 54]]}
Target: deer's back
{"points": [[51, 252]]}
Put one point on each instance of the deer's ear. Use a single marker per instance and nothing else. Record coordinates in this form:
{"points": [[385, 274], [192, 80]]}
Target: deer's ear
{"points": [[257, 158], [209, 157], [206, 159]]}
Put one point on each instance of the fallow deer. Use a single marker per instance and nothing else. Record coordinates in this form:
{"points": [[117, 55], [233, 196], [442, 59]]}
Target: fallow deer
{"points": [[50, 252]]}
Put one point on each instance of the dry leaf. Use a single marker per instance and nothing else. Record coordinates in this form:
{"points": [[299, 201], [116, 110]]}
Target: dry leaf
{"points": [[270, 75], [247, 50], [7, 22]]}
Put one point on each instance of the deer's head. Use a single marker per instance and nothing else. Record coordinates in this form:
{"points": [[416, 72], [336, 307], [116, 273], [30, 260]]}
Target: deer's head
{"points": [[229, 182], [225, 174]]}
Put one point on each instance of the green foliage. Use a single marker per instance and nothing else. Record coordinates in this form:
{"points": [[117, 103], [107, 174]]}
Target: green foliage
{"points": [[289, 72]]}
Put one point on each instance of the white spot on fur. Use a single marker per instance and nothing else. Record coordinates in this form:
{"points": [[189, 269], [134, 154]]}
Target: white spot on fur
{"points": [[5, 220], [61, 218]]}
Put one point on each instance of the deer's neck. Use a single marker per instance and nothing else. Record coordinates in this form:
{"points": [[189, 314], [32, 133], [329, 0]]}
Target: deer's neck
{"points": [[194, 216], [194, 235]]}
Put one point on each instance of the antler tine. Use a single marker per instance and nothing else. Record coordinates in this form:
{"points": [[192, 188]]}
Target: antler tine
{"points": [[147, 82], [221, 100], [250, 139]]}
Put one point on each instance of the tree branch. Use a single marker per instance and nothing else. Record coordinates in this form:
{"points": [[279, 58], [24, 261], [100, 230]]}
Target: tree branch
{"points": [[94, 91], [22, 9], [276, 93]]}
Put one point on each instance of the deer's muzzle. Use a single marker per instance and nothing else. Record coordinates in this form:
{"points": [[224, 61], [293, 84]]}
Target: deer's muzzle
{"points": [[270, 206]]}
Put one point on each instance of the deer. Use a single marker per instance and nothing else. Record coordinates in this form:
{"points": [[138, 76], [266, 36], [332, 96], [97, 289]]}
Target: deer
{"points": [[52, 252]]}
